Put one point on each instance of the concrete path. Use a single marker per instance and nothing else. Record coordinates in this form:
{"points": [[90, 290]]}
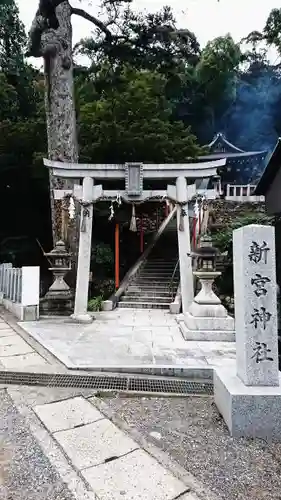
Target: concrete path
{"points": [[86, 456], [15, 352], [127, 338]]}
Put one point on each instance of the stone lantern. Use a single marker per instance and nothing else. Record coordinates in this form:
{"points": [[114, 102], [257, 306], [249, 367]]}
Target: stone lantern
{"points": [[207, 318], [59, 298], [206, 254]]}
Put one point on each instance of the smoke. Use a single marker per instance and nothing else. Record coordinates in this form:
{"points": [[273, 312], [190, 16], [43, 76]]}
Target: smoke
{"points": [[253, 121]]}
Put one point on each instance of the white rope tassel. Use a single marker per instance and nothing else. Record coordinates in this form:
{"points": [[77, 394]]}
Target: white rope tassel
{"points": [[133, 225], [205, 217], [71, 208], [111, 214]]}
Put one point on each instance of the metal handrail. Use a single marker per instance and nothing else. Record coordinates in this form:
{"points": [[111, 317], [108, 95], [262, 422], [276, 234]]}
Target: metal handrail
{"points": [[173, 278]]}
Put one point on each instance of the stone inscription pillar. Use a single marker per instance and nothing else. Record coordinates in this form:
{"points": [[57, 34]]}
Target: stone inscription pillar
{"points": [[255, 305]]}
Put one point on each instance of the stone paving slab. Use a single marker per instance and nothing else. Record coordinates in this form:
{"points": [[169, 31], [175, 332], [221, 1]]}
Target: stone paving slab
{"points": [[6, 332], [33, 396], [11, 346], [13, 340], [136, 476], [67, 414], [189, 496], [221, 362], [23, 361], [3, 325], [126, 338], [15, 353], [94, 443]]}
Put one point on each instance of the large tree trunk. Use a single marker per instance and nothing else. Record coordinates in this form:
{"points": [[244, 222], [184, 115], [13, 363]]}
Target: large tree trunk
{"points": [[55, 46], [61, 120], [60, 108]]}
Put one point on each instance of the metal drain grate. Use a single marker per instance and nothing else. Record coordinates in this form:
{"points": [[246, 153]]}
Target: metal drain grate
{"points": [[169, 386], [64, 380], [108, 383]]}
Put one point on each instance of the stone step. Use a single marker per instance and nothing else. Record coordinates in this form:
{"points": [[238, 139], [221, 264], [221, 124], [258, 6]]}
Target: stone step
{"points": [[159, 277], [150, 287], [163, 261], [154, 292], [159, 267], [146, 298], [152, 281], [153, 270], [163, 267], [167, 261], [150, 292], [153, 274], [149, 282], [143, 305], [157, 271]]}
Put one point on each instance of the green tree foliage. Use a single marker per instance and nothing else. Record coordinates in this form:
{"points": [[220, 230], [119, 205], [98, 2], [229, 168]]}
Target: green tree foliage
{"points": [[133, 122], [144, 41], [216, 76], [218, 64], [12, 38], [21, 95], [272, 29], [223, 241], [8, 99], [254, 57], [23, 180]]}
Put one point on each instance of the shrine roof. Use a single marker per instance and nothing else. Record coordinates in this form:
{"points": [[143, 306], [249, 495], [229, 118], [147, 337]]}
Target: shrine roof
{"points": [[273, 164], [216, 156], [220, 147], [220, 144]]}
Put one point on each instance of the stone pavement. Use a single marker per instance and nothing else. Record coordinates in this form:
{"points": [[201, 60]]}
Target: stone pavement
{"points": [[94, 458], [128, 339], [15, 352]]}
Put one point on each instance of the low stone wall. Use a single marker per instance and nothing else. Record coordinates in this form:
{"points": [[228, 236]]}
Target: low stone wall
{"points": [[19, 291], [22, 313], [225, 212]]}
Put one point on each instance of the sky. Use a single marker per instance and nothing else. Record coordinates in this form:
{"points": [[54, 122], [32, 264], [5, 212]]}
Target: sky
{"points": [[206, 18]]}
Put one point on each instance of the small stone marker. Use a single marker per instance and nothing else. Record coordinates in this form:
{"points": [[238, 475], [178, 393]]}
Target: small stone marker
{"points": [[255, 305]]}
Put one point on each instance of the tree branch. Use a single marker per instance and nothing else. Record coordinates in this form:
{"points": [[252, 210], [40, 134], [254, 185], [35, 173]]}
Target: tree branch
{"points": [[92, 19]]}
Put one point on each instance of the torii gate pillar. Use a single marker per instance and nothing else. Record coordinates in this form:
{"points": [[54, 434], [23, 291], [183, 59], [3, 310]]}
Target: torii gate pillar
{"points": [[182, 194], [90, 194]]}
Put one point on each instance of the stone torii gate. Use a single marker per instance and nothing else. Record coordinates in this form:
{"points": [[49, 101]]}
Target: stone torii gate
{"points": [[133, 175]]}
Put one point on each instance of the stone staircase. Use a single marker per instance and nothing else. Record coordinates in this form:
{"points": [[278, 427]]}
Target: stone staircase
{"points": [[152, 288]]}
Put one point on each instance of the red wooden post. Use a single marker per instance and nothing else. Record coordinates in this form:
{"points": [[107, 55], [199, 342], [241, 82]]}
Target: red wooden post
{"points": [[141, 235], [117, 278]]}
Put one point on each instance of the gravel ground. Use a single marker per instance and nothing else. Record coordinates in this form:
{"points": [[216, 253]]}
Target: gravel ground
{"points": [[25, 472], [193, 433]]}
